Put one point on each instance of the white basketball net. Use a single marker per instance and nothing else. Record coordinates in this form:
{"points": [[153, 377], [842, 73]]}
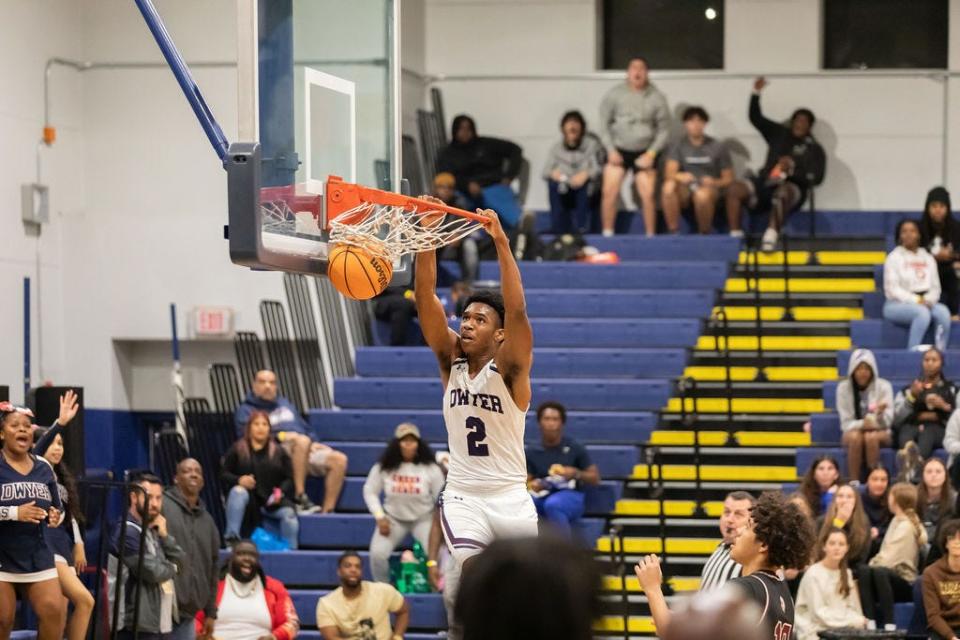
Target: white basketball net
{"points": [[391, 231]]}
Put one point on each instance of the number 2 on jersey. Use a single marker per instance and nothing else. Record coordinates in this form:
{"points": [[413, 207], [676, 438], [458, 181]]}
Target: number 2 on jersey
{"points": [[478, 433]]}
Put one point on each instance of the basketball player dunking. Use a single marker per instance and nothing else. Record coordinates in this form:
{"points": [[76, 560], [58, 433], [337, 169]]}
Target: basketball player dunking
{"points": [[486, 376]]}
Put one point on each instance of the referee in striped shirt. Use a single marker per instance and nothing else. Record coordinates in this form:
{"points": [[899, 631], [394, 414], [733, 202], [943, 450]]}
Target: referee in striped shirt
{"points": [[720, 567]]}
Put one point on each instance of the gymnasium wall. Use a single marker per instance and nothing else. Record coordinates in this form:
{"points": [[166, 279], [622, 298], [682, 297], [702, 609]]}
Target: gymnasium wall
{"points": [[882, 135]]}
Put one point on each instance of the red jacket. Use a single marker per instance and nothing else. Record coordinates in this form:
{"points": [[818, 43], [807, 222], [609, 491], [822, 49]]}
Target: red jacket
{"points": [[283, 616]]}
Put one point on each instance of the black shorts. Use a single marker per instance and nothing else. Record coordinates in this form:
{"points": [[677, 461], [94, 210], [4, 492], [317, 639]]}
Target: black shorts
{"points": [[26, 560], [630, 158], [764, 192]]}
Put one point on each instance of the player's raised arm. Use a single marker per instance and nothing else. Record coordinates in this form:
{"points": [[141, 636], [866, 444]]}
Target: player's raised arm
{"points": [[516, 352], [433, 318]]}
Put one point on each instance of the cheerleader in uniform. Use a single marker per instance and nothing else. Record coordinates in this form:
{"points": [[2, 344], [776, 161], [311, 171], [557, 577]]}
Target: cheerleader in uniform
{"points": [[29, 501], [66, 540]]}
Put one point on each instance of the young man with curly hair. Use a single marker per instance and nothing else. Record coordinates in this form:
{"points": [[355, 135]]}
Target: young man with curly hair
{"points": [[777, 536]]}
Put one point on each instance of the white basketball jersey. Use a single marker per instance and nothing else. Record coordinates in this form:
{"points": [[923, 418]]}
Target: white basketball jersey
{"points": [[484, 432]]}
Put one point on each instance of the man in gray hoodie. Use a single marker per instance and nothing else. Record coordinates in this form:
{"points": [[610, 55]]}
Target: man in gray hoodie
{"points": [[865, 407], [190, 523], [634, 126]]}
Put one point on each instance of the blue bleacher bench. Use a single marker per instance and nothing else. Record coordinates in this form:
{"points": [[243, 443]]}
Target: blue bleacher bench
{"points": [[332, 425], [902, 363], [881, 334], [666, 275], [426, 609], [581, 394], [618, 303], [547, 362]]}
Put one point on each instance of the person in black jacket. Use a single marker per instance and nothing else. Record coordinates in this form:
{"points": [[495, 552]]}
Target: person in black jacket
{"points": [[193, 527], [484, 168], [795, 162], [940, 235], [260, 477]]}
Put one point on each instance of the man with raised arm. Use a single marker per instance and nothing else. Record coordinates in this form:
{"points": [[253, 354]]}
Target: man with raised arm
{"points": [[485, 371]]}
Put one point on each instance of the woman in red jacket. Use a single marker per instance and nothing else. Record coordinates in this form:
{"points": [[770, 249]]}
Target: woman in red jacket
{"points": [[250, 604]]}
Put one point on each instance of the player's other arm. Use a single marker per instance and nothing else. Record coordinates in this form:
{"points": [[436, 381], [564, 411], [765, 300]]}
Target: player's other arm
{"points": [[515, 355], [433, 319]]}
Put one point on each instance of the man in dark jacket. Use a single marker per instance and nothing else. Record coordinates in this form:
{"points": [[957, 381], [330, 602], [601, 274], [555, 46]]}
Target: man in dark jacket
{"points": [[190, 523], [483, 168], [795, 163], [163, 559], [292, 432]]}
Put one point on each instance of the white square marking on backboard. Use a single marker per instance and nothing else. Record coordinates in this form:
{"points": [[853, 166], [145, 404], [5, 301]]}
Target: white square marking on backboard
{"points": [[322, 93]]}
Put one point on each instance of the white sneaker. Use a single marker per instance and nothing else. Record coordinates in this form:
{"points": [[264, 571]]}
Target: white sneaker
{"points": [[608, 233], [769, 240], [736, 233]]}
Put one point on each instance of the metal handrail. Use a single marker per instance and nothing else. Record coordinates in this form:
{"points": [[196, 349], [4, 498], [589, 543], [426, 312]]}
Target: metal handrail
{"points": [[687, 386], [759, 305], [787, 307], [618, 559], [720, 317]]}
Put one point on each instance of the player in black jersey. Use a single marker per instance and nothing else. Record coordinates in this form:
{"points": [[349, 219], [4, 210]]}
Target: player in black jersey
{"points": [[778, 536]]}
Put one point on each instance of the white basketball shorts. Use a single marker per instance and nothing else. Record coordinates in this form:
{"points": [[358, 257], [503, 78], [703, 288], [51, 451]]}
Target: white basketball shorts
{"points": [[472, 521]]}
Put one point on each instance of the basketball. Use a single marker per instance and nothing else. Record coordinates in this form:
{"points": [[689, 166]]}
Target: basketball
{"points": [[357, 273]]}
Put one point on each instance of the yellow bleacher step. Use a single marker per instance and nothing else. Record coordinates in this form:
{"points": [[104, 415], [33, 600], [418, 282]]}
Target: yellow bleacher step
{"points": [[775, 257], [774, 374], [635, 624], [850, 257], [679, 583], [671, 508], [803, 285], [801, 314], [777, 343], [675, 546], [749, 405], [716, 473], [665, 438]]}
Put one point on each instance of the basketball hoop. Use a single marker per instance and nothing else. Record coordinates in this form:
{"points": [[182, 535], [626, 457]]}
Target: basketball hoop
{"points": [[390, 224]]}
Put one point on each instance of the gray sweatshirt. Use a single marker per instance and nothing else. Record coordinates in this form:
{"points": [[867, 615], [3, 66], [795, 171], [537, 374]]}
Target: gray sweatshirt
{"points": [[879, 390], [634, 120], [410, 491], [569, 162]]}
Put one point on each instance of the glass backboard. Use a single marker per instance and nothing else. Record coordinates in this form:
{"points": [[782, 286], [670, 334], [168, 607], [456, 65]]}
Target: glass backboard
{"points": [[318, 89]]}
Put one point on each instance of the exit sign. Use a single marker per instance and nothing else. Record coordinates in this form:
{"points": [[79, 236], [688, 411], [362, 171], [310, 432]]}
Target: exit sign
{"points": [[213, 321]]}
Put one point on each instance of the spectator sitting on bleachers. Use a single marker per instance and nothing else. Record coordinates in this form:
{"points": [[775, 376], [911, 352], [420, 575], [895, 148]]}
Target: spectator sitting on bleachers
{"points": [[411, 481], [951, 442], [292, 432], [360, 609], [827, 598], [921, 413], [558, 468], [795, 163], [941, 586], [846, 512], [531, 589], [152, 572], [572, 172], [251, 605], [912, 289], [895, 565], [873, 495], [936, 500], [192, 525], [395, 306], [467, 250], [720, 567], [820, 482], [698, 170], [484, 168], [256, 473], [634, 126], [865, 408], [940, 235]]}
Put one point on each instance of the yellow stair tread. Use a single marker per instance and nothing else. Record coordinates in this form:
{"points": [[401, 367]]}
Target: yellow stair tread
{"points": [[685, 546], [749, 405], [851, 257], [679, 583], [672, 508], [777, 343], [670, 438], [716, 472], [748, 374], [804, 285], [774, 257], [635, 624], [801, 314]]}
